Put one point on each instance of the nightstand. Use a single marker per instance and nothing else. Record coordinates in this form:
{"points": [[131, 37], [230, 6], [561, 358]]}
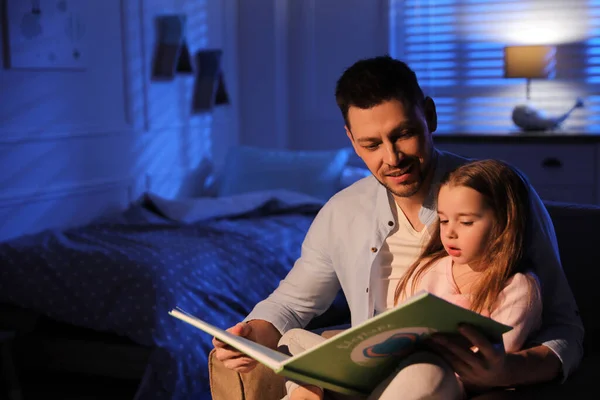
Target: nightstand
{"points": [[562, 168]]}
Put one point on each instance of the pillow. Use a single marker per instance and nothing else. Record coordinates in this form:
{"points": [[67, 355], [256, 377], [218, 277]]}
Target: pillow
{"points": [[196, 183], [249, 169]]}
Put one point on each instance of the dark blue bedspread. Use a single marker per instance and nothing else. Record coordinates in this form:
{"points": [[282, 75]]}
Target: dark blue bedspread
{"points": [[213, 258]]}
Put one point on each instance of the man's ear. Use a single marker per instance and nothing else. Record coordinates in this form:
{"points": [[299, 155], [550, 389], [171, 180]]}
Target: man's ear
{"points": [[348, 133], [430, 114], [351, 137]]}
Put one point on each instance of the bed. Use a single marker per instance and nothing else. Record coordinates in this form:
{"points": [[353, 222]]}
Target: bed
{"points": [[215, 257], [122, 274]]}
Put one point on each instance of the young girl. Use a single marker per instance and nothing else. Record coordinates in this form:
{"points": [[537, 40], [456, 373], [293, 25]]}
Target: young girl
{"points": [[475, 258]]}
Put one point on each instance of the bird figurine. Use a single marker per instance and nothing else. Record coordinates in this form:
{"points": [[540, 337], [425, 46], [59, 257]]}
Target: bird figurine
{"points": [[529, 118]]}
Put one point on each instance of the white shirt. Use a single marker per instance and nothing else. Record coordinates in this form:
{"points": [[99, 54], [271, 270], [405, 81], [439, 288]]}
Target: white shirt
{"points": [[399, 251]]}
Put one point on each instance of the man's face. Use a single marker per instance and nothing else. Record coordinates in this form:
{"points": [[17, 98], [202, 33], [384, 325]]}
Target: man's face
{"points": [[395, 143]]}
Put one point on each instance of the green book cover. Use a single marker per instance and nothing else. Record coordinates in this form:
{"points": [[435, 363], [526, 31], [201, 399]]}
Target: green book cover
{"points": [[355, 361]]}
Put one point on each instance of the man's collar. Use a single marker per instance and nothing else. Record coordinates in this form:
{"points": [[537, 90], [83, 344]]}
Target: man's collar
{"points": [[427, 213]]}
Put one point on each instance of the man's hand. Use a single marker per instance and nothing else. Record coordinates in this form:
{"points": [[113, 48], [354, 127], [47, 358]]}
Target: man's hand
{"points": [[480, 364], [258, 331], [232, 358]]}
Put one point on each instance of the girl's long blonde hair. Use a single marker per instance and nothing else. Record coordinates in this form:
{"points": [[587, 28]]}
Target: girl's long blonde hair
{"points": [[505, 192]]}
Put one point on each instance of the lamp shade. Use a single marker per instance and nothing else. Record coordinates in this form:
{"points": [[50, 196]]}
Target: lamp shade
{"points": [[529, 61]]}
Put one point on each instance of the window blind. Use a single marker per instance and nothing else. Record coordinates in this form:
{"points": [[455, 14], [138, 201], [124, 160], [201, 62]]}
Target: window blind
{"points": [[456, 47]]}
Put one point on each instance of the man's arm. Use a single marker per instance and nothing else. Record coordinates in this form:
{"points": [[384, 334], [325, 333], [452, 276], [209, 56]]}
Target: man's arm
{"points": [[490, 367], [307, 290], [562, 329], [264, 332], [534, 365], [311, 285]]}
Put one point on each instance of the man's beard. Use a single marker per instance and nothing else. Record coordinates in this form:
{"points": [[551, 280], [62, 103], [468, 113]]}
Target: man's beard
{"points": [[412, 188], [406, 190]]}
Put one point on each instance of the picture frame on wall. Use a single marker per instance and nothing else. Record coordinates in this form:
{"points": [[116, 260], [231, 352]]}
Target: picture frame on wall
{"points": [[46, 34]]}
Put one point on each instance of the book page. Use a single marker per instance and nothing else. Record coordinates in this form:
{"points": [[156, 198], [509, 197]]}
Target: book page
{"points": [[271, 358]]}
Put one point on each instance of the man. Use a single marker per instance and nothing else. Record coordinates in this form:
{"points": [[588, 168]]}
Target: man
{"points": [[368, 234]]}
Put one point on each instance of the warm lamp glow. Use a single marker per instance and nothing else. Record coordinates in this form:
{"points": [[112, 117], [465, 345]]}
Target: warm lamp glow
{"points": [[556, 28], [529, 62]]}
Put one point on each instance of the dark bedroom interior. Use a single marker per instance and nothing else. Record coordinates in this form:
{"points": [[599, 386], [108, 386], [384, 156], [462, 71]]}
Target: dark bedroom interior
{"points": [[163, 153]]}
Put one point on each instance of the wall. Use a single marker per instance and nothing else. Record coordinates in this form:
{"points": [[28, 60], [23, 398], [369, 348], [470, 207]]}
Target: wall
{"points": [[292, 54], [76, 144], [327, 37], [262, 39]]}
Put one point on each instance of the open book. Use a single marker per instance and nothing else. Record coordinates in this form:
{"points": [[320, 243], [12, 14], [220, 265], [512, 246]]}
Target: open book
{"points": [[355, 361]]}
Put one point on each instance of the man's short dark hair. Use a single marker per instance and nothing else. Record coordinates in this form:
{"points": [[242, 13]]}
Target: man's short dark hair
{"points": [[372, 81]]}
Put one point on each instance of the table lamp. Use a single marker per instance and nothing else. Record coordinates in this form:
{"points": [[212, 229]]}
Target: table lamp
{"points": [[529, 62], [533, 62]]}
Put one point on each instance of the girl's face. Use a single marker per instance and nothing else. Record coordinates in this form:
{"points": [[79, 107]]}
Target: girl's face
{"points": [[466, 223]]}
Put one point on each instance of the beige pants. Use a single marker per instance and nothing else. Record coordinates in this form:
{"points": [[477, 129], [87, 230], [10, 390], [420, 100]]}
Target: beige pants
{"points": [[420, 376]]}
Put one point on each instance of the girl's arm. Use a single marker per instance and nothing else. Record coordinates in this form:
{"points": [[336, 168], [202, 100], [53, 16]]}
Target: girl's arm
{"points": [[562, 329], [519, 306]]}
